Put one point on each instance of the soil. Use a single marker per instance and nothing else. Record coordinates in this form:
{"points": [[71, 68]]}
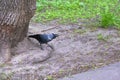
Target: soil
{"points": [[78, 48]]}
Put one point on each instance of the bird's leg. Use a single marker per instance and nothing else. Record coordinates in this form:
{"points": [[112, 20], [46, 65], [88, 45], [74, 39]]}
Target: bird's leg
{"points": [[41, 46], [51, 46]]}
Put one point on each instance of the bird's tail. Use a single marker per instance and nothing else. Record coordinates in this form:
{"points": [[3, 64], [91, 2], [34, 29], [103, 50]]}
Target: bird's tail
{"points": [[32, 36]]}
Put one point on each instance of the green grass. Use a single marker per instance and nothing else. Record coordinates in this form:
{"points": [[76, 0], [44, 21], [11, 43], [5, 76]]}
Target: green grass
{"points": [[80, 31], [4, 76], [100, 37], [70, 11], [49, 78]]}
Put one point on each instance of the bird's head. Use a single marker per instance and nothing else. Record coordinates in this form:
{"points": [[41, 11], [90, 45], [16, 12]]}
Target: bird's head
{"points": [[55, 35]]}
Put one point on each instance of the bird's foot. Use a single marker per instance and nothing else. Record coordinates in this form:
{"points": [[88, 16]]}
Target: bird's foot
{"points": [[41, 48]]}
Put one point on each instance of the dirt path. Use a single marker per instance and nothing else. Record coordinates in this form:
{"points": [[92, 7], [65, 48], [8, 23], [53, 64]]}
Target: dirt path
{"points": [[77, 49]]}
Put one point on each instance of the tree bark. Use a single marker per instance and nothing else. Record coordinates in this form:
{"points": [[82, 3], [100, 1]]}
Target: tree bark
{"points": [[15, 16]]}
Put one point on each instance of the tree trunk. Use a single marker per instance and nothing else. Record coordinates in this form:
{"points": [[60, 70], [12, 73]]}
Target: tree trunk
{"points": [[15, 16]]}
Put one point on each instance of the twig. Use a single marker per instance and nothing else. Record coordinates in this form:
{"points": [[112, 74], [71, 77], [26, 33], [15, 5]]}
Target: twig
{"points": [[48, 29]]}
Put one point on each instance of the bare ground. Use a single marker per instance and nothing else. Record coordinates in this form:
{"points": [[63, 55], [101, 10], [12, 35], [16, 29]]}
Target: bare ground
{"points": [[78, 48]]}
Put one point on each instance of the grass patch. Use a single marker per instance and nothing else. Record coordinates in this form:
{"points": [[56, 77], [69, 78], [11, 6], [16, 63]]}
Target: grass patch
{"points": [[80, 31], [4, 76], [70, 11], [110, 17], [103, 38], [50, 78], [100, 37]]}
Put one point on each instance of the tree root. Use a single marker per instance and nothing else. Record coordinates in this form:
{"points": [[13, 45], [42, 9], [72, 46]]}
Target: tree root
{"points": [[5, 53]]}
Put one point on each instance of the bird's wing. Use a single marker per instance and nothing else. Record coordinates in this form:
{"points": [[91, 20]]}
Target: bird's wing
{"points": [[50, 36]]}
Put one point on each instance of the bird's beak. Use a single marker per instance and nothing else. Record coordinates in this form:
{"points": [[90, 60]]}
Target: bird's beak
{"points": [[56, 35]]}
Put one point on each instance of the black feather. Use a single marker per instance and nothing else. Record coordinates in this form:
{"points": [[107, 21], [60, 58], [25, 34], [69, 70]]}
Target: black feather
{"points": [[44, 38]]}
